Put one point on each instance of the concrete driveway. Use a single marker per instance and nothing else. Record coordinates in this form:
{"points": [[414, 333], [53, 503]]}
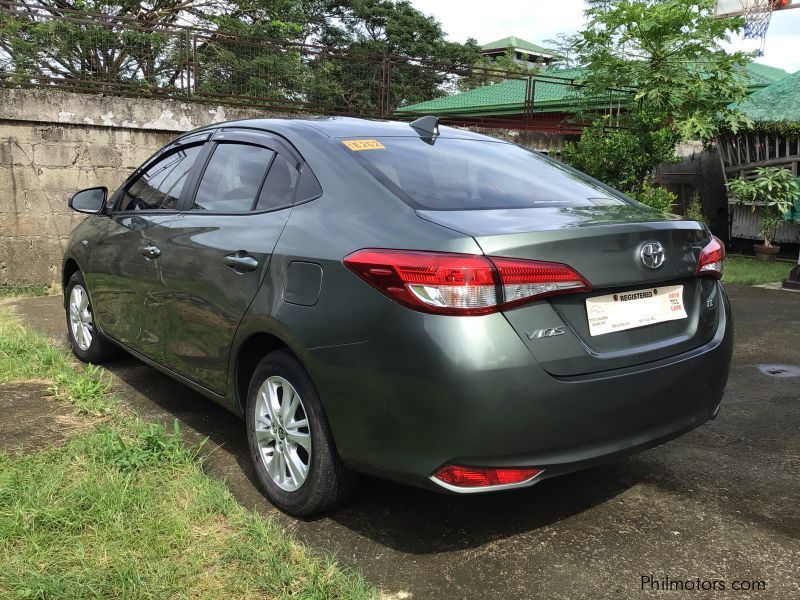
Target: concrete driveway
{"points": [[720, 504]]}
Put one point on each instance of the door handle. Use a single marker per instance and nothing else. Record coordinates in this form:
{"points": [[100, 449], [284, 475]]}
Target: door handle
{"points": [[150, 250], [240, 262]]}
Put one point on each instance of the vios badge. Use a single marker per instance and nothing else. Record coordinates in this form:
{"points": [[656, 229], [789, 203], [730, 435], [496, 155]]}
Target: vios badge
{"points": [[652, 255], [544, 333]]}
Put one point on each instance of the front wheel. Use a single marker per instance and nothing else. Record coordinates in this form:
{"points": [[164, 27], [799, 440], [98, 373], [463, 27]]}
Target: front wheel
{"points": [[87, 343], [290, 441]]}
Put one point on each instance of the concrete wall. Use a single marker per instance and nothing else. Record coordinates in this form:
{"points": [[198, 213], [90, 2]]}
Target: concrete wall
{"points": [[54, 143]]}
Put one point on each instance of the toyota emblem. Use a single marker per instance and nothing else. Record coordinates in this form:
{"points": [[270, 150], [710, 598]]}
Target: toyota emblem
{"points": [[652, 255]]}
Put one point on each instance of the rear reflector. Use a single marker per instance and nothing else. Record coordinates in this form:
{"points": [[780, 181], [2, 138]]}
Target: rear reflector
{"points": [[476, 477], [712, 258], [461, 284]]}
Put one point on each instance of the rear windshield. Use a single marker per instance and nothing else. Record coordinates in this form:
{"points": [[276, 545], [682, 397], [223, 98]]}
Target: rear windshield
{"points": [[461, 174]]}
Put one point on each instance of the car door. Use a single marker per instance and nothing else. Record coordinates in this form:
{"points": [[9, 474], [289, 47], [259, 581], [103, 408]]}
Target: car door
{"points": [[220, 246], [123, 274]]}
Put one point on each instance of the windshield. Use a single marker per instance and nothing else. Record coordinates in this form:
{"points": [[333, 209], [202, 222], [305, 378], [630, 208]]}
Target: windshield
{"points": [[460, 174]]}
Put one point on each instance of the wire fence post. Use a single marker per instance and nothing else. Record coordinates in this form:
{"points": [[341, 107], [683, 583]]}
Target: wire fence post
{"points": [[187, 61], [384, 105], [195, 71]]}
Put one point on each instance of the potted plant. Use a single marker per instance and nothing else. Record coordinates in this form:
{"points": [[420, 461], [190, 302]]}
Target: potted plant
{"points": [[772, 193]]}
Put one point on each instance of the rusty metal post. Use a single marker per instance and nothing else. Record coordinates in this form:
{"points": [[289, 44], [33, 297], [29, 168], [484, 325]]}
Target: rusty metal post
{"points": [[530, 95]]}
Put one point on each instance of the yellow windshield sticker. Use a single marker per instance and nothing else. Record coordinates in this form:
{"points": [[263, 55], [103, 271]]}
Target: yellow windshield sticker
{"points": [[358, 145]]}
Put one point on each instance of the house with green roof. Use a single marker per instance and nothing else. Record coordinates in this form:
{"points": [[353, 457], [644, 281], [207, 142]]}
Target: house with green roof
{"points": [[545, 102], [523, 51]]}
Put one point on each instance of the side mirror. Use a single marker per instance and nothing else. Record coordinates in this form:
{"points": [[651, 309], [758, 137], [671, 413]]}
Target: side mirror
{"points": [[91, 200]]}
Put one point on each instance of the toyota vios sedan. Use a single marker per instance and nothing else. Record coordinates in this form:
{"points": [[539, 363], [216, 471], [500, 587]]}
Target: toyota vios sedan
{"points": [[415, 302]]}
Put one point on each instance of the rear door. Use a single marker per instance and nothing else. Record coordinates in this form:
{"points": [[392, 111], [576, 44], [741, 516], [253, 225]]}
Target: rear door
{"points": [[123, 275], [220, 246]]}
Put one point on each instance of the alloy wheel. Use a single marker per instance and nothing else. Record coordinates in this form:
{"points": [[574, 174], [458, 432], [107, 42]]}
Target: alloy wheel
{"points": [[283, 433], [80, 317]]}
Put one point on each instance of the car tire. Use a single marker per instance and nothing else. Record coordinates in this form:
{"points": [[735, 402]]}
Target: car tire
{"points": [[85, 339], [290, 441]]}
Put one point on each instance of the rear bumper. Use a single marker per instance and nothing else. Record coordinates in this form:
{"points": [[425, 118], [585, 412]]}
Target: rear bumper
{"points": [[432, 390]]}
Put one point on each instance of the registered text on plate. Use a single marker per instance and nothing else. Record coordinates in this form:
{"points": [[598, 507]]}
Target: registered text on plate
{"points": [[637, 308]]}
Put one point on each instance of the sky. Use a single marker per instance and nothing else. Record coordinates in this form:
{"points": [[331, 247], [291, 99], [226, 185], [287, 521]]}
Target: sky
{"points": [[540, 20]]}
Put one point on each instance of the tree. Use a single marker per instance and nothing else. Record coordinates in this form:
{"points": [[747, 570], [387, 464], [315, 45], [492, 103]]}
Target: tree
{"points": [[138, 44], [252, 51], [623, 158], [487, 71], [563, 46], [671, 52], [382, 40], [49, 39]]}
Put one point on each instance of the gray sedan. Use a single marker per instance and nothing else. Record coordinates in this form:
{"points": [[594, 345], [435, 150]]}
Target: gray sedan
{"points": [[411, 301]]}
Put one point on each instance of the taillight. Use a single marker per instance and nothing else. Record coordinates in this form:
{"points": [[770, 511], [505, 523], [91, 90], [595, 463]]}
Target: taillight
{"points": [[712, 258], [477, 477], [524, 280], [461, 284]]}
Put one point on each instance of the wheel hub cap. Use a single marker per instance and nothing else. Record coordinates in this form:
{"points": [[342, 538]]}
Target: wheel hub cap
{"points": [[282, 433]]}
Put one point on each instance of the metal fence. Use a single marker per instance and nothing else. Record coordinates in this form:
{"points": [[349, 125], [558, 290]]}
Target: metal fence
{"points": [[92, 52]]}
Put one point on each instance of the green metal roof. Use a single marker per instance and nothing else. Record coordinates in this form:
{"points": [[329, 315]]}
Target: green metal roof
{"points": [[515, 42], [553, 93], [763, 75], [777, 103], [506, 97]]}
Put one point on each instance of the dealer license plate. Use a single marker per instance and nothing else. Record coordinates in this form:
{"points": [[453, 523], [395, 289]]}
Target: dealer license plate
{"points": [[637, 308]]}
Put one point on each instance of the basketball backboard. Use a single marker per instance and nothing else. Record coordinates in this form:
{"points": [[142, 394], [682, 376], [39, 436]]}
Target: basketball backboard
{"points": [[735, 8]]}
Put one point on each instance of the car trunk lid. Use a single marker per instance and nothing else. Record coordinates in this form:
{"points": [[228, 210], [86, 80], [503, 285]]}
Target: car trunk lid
{"points": [[603, 244]]}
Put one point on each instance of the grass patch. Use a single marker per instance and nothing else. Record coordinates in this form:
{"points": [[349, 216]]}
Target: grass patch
{"points": [[125, 510], [13, 290], [27, 355], [750, 271]]}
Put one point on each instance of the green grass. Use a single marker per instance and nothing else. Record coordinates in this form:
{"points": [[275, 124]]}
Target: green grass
{"points": [[13, 290], [125, 510], [749, 271], [27, 355]]}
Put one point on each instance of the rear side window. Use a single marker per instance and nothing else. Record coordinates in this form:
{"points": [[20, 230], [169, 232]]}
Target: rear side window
{"points": [[160, 185], [459, 174], [280, 185], [233, 177]]}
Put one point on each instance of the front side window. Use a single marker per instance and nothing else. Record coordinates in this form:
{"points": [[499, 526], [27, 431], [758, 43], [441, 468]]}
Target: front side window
{"points": [[233, 178], [160, 186], [460, 174]]}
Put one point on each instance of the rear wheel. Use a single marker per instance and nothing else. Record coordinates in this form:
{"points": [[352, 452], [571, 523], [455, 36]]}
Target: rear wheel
{"points": [[290, 441], [87, 343]]}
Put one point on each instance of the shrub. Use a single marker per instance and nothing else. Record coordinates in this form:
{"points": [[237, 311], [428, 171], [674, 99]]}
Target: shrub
{"points": [[656, 197]]}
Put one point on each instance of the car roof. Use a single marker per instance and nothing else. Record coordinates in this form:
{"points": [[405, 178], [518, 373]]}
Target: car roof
{"points": [[342, 127]]}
